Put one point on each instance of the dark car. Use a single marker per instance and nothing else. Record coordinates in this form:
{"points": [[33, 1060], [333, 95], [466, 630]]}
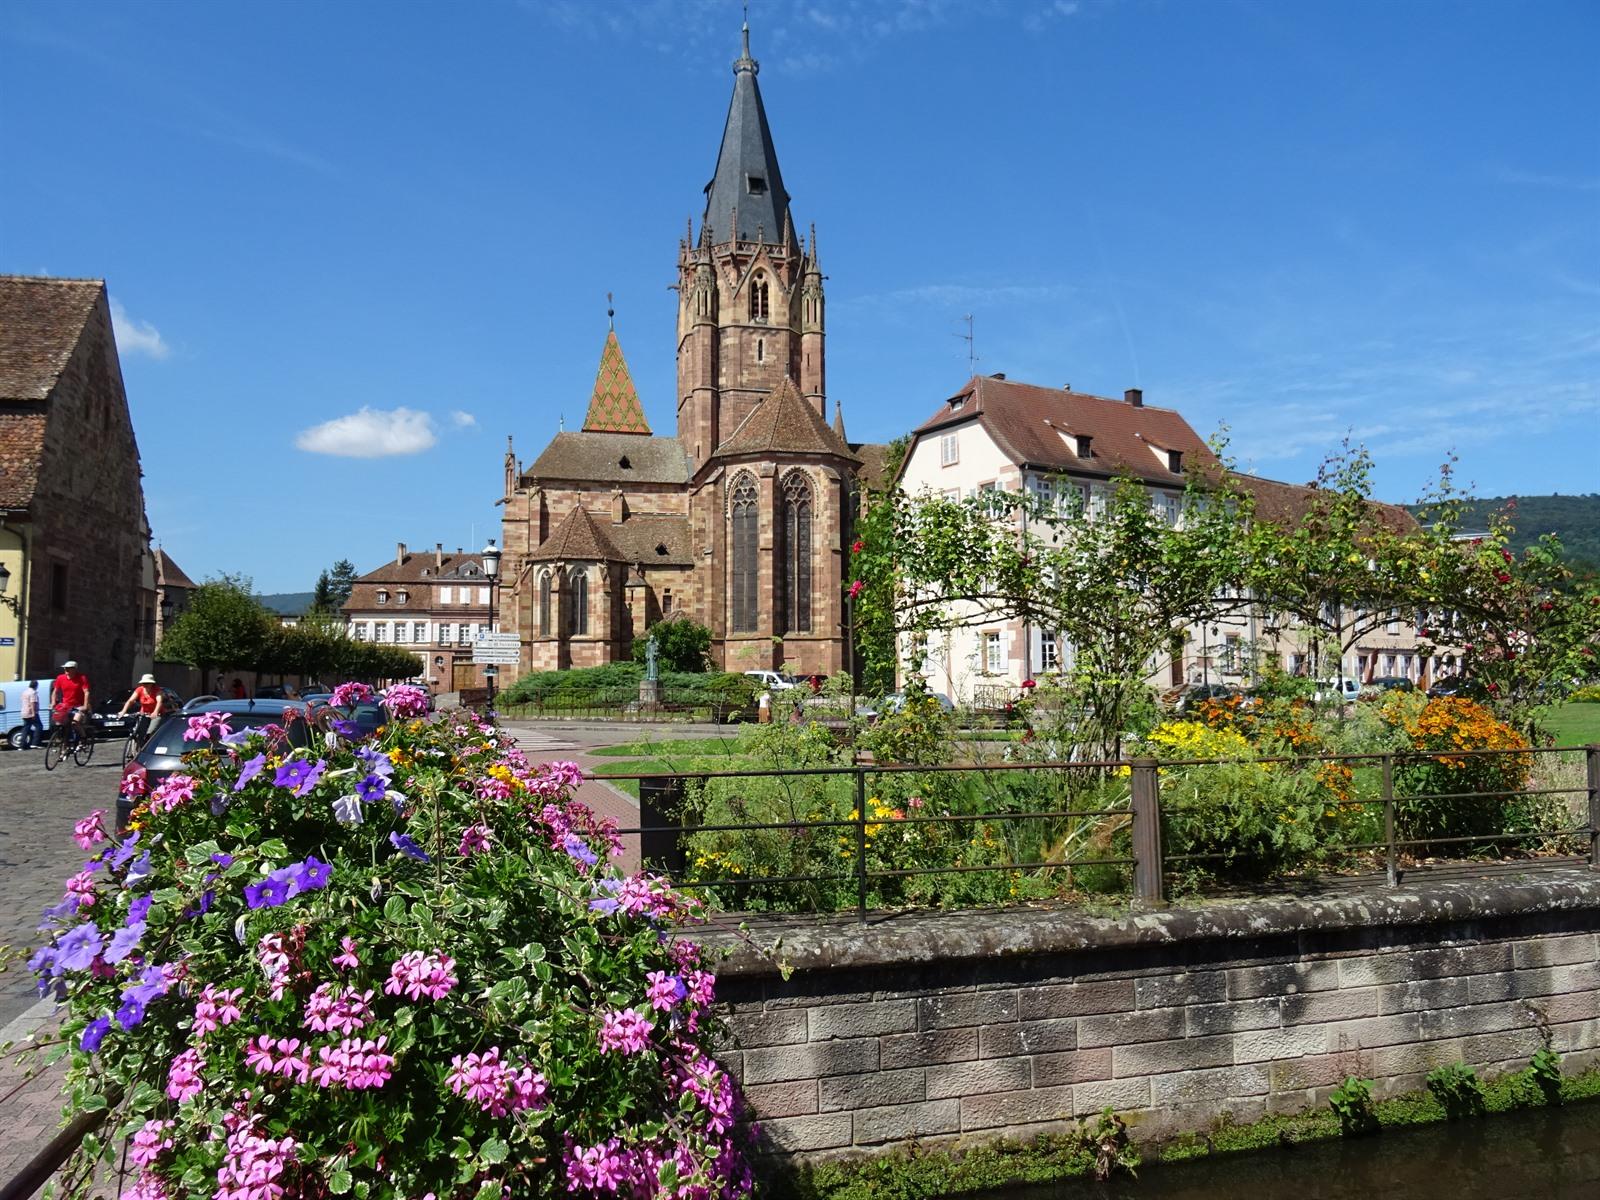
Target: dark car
{"points": [[1393, 683], [1196, 694], [108, 721], [1458, 685], [163, 752]]}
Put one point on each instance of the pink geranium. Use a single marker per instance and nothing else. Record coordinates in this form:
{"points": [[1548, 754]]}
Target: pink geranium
{"points": [[626, 1031]]}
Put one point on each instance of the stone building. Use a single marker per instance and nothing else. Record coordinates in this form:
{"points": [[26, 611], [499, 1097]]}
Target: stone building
{"points": [[741, 518], [73, 537]]}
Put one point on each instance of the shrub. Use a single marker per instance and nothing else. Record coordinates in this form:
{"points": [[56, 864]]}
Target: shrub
{"points": [[1587, 694], [1351, 1102], [385, 969], [681, 645], [1458, 1090], [1544, 1071]]}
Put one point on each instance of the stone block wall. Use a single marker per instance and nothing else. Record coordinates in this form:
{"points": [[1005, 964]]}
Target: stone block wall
{"points": [[973, 1026]]}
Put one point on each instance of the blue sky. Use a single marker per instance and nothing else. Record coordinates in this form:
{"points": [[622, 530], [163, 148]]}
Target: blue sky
{"points": [[1300, 219]]}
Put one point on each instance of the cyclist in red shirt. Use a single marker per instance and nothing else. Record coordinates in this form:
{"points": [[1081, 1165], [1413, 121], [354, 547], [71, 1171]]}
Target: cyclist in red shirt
{"points": [[152, 702], [69, 696]]}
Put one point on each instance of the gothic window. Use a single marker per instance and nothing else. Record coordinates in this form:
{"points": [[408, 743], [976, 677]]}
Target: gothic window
{"points": [[797, 553], [759, 310], [577, 603], [544, 605], [745, 521]]}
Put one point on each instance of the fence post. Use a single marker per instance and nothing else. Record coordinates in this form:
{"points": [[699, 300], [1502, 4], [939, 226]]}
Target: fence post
{"points": [[1146, 796], [861, 845], [1592, 753], [661, 819], [1391, 866]]}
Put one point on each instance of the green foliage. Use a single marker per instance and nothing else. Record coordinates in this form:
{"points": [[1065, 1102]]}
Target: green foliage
{"points": [[1351, 1102], [616, 685], [1573, 519], [1588, 694], [1544, 1071], [681, 645], [333, 587], [874, 553], [1458, 1090]]}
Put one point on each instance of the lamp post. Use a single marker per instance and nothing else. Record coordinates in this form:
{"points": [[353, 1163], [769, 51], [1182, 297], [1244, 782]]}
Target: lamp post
{"points": [[491, 570]]}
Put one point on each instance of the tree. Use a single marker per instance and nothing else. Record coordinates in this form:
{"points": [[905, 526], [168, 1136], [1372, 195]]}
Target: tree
{"points": [[872, 566], [224, 626], [333, 587], [681, 645]]}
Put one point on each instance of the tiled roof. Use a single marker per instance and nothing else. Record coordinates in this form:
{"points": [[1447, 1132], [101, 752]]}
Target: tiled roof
{"points": [[599, 458], [435, 567], [577, 538], [874, 458], [169, 572], [1038, 426], [614, 406], [785, 422], [41, 321], [657, 540], [1288, 503], [21, 448]]}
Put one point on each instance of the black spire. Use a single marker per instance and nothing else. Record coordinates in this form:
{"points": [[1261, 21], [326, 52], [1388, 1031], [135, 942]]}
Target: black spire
{"points": [[747, 179]]}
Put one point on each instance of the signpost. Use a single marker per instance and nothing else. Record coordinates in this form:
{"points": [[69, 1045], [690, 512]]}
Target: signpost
{"points": [[497, 649]]}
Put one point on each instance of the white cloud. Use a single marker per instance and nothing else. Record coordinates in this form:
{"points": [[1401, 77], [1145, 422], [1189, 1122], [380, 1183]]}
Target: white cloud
{"points": [[371, 433], [136, 337], [463, 420]]}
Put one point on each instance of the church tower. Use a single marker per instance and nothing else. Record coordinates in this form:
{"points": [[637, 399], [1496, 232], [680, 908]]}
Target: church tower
{"points": [[750, 303]]}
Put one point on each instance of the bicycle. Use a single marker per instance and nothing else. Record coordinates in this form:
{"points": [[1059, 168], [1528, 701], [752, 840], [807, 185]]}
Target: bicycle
{"points": [[65, 741], [138, 734]]}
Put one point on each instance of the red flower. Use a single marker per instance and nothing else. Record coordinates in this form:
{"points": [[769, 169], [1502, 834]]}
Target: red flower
{"points": [[856, 589], [1030, 683], [857, 546], [1494, 687], [1510, 654], [1502, 577], [1546, 606], [1506, 554]]}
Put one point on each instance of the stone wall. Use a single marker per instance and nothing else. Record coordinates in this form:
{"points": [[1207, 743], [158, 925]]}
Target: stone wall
{"points": [[972, 1026]]}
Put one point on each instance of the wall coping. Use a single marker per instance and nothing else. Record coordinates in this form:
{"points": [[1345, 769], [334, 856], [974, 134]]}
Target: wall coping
{"points": [[917, 938]]}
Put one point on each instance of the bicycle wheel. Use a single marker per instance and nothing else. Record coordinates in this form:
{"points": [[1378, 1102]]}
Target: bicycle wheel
{"points": [[84, 750], [55, 747], [130, 747]]}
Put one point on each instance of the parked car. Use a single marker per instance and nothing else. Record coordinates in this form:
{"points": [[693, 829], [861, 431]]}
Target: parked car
{"points": [[1393, 683], [1458, 685], [1346, 690], [773, 681], [163, 752], [896, 701], [196, 703], [1195, 694], [11, 710], [109, 723]]}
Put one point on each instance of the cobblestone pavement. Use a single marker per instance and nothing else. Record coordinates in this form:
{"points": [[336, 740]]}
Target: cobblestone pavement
{"points": [[37, 812]]}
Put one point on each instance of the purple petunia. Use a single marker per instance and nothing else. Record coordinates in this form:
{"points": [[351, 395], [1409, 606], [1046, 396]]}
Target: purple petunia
{"points": [[78, 947], [153, 982], [268, 893], [222, 860], [377, 761], [300, 775], [314, 873], [124, 942], [57, 914], [578, 850], [94, 1033], [138, 869], [130, 1013], [347, 810], [372, 788], [251, 769], [124, 852], [139, 909], [403, 843]]}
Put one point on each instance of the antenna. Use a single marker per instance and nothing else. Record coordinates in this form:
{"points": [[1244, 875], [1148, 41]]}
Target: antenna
{"points": [[972, 345]]}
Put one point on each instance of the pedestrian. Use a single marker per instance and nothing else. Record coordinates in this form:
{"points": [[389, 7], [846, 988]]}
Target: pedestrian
{"points": [[238, 688], [32, 731]]}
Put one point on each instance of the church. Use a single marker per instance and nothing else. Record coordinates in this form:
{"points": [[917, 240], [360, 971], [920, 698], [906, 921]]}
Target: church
{"points": [[741, 518]]}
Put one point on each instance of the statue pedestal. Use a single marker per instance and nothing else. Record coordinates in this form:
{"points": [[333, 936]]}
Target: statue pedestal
{"points": [[649, 693]]}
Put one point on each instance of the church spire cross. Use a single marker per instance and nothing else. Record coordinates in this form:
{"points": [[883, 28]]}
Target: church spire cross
{"points": [[744, 62]]}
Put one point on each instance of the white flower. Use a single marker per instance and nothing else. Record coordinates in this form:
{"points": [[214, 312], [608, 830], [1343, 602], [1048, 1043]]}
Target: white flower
{"points": [[347, 809]]}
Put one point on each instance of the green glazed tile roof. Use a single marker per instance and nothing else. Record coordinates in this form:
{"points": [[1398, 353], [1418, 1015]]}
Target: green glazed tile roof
{"points": [[614, 407]]}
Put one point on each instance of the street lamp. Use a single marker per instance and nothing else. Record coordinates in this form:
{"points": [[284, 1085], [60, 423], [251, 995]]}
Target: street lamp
{"points": [[14, 603], [491, 570]]}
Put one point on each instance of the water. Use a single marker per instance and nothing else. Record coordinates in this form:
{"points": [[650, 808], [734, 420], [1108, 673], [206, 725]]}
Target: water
{"points": [[1539, 1154]]}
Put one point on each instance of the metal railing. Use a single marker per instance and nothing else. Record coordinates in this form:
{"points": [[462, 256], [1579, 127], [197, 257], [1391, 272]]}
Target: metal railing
{"points": [[665, 838]]}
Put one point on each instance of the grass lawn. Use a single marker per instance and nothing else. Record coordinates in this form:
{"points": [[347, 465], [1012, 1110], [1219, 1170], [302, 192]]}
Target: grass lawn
{"points": [[674, 747], [1573, 724]]}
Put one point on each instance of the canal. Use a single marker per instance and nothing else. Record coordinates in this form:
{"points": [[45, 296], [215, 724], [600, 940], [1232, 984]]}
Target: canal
{"points": [[1538, 1154]]}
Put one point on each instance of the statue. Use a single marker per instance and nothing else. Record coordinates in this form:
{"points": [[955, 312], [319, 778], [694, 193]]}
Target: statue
{"points": [[652, 670]]}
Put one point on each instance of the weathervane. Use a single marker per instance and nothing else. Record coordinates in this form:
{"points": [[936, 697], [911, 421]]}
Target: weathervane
{"points": [[611, 313]]}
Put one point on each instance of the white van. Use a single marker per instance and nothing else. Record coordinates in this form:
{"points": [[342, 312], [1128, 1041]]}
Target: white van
{"points": [[1346, 690], [11, 710]]}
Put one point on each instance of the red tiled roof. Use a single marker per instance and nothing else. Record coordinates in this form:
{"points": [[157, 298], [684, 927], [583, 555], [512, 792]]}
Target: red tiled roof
{"points": [[578, 538], [1287, 503], [170, 573], [614, 406], [1036, 426], [41, 323], [785, 422]]}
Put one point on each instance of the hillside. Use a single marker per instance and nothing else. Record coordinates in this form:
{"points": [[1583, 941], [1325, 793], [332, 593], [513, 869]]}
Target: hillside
{"points": [[287, 604], [1574, 519]]}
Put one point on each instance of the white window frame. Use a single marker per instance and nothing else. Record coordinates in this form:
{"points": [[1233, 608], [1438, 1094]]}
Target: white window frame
{"points": [[1049, 650], [949, 450], [483, 595], [446, 594], [358, 630], [994, 651]]}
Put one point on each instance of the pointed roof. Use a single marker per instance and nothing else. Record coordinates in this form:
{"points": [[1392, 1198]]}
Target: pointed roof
{"points": [[785, 422], [169, 573], [614, 406], [577, 537], [747, 180], [838, 421]]}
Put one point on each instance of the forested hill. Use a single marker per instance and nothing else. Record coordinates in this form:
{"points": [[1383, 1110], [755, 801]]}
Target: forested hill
{"points": [[1574, 519]]}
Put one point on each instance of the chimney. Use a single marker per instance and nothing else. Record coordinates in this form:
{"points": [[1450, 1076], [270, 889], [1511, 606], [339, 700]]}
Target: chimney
{"points": [[399, 554], [1134, 396], [438, 555]]}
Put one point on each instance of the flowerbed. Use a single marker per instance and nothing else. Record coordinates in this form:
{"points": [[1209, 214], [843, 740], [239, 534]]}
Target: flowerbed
{"points": [[393, 968]]}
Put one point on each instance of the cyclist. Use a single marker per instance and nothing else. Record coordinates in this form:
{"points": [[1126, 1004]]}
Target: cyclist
{"points": [[152, 702], [69, 699]]}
